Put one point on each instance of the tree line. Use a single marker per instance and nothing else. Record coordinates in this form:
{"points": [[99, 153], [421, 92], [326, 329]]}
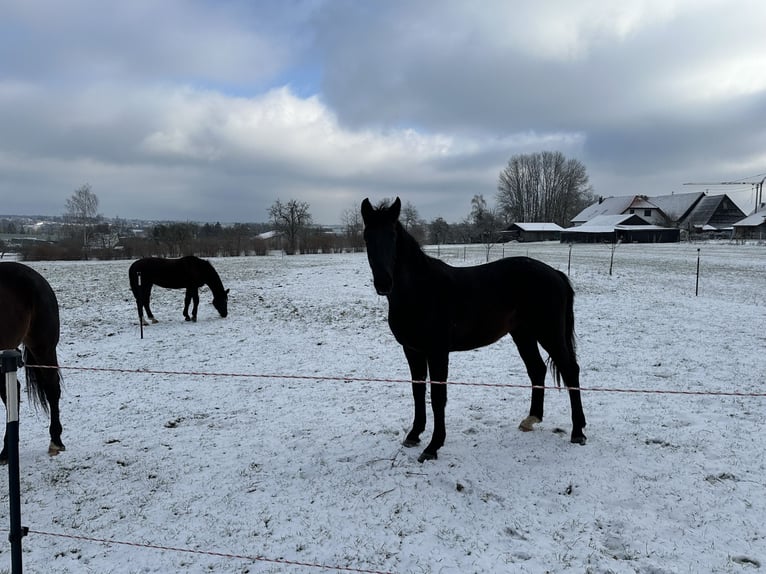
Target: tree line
{"points": [[542, 187]]}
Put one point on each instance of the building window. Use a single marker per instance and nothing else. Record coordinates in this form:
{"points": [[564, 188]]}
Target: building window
{"points": [[647, 212], [632, 211]]}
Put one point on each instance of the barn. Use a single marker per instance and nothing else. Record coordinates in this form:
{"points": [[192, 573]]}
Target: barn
{"points": [[532, 232], [752, 227], [625, 228]]}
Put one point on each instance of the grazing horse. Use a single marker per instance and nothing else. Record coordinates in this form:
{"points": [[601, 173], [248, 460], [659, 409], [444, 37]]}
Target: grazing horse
{"points": [[29, 315], [188, 273], [434, 309]]}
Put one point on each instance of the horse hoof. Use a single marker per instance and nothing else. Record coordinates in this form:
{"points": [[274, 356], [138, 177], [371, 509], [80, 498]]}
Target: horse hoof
{"points": [[528, 424], [425, 455], [194, 319], [410, 442], [154, 320], [187, 318], [579, 440], [54, 449]]}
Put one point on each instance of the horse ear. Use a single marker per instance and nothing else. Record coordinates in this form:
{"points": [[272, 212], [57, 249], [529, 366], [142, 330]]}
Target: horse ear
{"points": [[396, 208], [366, 209]]}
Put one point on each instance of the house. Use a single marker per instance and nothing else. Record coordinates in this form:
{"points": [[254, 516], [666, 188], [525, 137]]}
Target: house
{"points": [[752, 227], [532, 232], [627, 228]]}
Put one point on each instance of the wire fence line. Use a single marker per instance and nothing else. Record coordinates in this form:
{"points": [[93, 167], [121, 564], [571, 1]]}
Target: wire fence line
{"points": [[349, 379], [343, 379], [211, 553]]}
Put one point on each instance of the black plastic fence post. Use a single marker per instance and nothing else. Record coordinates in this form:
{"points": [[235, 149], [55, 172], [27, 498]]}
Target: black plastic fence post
{"points": [[11, 361], [140, 306], [697, 287]]}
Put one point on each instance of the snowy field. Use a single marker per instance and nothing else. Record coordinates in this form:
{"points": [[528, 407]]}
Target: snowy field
{"points": [[311, 470]]}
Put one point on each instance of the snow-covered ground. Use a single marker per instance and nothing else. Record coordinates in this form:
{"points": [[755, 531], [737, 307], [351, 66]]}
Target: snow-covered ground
{"points": [[312, 471]]}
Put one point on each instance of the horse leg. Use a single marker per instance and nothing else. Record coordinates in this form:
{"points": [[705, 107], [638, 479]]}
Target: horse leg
{"points": [[418, 371], [146, 296], [50, 379], [4, 452], [195, 301], [536, 369], [140, 309], [565, 361], [52, 388], [438, 365], [187, 301]]}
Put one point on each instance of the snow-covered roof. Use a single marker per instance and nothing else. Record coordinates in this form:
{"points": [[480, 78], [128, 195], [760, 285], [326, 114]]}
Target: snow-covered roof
{"points": [[538, 226], [608, 223], [606, 206], [753, 220], [676, 205]]}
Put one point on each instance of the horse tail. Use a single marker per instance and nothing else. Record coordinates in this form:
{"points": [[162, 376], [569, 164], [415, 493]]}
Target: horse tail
{"points": [[568, 324], [569, 320], [39, 379], [133, 278]]}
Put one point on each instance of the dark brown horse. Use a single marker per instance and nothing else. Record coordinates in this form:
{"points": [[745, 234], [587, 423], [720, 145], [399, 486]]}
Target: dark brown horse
{"points": [[29, 315], [188, 273], [434, 309]]}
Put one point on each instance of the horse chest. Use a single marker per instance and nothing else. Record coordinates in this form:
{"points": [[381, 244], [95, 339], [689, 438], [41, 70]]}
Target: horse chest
{"points": [[418, 327]]}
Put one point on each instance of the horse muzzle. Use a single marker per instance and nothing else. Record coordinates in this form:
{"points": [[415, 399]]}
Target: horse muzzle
{"points": [[383, 286]]}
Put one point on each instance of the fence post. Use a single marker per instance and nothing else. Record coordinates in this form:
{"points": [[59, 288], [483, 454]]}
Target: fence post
{"points": [[10, 361], [140, 306], [697, 286]]}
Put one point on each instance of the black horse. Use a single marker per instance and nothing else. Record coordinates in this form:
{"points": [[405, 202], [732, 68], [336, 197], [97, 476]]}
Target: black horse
{"points": [[434, 309], [29, 315], [188, 273]]}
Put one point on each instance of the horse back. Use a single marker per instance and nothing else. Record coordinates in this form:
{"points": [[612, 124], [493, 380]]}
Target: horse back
{"points": [[463, 308], [29, 310], [178, 273]]}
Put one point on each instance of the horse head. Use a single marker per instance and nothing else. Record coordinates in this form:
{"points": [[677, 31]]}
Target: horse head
{"points": [[221, 303], [380, 234]]}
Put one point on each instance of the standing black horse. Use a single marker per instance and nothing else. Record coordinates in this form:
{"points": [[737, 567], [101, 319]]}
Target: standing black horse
{"points": [[434, 309], [188, 273], [29, 315]]}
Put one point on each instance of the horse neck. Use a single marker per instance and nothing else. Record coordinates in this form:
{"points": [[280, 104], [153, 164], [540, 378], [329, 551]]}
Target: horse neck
{"points": [[213, 280], [408, 251]]}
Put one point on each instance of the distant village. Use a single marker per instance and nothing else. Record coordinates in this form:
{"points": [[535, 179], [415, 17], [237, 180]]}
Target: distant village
{"points": [[633, 219]]}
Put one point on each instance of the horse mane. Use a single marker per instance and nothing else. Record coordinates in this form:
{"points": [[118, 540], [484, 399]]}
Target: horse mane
{"points": [[212, 278], [408, 243]]}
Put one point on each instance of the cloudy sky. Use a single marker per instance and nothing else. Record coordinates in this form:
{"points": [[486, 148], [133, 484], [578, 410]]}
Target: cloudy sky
{"points": [[210, 110]]}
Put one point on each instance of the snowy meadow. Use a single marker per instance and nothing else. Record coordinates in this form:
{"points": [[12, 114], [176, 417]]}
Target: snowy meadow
{"points": [[240, 468]]}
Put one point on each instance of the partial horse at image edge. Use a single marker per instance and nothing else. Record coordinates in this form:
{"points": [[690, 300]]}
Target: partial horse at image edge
{"points": [[435, 309], [189, 273], [29, 316]]}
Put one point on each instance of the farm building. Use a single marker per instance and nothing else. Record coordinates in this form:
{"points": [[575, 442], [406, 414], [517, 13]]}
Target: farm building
{"points": [[697, 213], [532, 232], [752, 227], [625, 228]]}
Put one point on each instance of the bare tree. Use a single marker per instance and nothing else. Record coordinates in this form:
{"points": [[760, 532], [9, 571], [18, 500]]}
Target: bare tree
{"points": [[82, 211], [543, 186], [351, 219], [485, 222], [292, 219], [410, 219]]}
